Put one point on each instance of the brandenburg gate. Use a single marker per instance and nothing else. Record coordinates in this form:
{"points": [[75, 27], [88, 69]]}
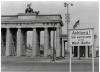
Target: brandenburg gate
{"points": [[14, 33]]}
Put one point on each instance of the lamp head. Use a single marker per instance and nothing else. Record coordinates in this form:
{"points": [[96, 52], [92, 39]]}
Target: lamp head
{"points": [[71, 4], [65, 4]]}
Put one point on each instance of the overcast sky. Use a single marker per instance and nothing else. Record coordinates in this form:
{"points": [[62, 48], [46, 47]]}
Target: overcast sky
{"points": [[87, 12]]}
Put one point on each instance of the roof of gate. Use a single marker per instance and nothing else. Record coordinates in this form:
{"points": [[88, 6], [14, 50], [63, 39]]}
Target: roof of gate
{"points": [[24, 17]]}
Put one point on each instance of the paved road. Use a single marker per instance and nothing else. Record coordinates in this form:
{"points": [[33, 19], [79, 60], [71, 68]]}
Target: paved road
{"points": [[17, 66], [61, 67]]}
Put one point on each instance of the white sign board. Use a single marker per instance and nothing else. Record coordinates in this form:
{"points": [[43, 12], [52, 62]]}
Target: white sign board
{"points": [[81, 37]]}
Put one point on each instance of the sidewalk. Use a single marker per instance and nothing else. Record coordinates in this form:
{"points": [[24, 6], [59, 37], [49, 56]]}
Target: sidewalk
{"points": [[45, 60], [64, 61]]}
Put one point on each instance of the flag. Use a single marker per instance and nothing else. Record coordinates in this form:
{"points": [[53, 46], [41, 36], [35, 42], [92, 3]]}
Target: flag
{"points": [[75, 25]]}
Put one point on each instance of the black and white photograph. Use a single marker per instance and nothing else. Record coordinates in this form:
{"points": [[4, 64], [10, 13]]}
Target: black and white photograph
{"points": [[49, 36]]}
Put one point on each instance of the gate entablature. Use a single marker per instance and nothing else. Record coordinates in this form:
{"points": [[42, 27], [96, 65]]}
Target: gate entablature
{"points": [[30, 20], [27, 20]]}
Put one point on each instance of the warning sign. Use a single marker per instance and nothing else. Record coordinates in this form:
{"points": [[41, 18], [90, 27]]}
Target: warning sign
{"points": [[80, 37]]}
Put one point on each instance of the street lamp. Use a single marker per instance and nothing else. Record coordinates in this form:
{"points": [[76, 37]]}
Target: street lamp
{"points": [[68, 21]]}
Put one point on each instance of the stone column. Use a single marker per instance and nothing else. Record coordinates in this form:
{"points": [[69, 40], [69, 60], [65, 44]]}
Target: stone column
{"points": [[8, 40], [46, 41], [63, 48], [86, 51], [19, 42], [35, 47], [3, 46], [58, 42]]}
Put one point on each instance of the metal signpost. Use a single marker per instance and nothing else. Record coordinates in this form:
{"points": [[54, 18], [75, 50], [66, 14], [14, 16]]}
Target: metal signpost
{"points": [[89, 41], [68, 22], [82, 37]]}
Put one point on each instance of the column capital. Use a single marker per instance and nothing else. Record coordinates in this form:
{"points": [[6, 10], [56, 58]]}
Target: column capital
{"points": [[8, 28], [57, 27], [18, 28], [58, 24], [34, 27], [46, 27]]}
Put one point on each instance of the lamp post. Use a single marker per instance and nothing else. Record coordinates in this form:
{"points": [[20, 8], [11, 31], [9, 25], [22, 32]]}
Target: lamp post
{"points": [[68, 21]]}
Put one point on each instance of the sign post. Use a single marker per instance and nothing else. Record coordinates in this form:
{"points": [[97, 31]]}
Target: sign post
{"points": [[68, 22], [82, 37]]}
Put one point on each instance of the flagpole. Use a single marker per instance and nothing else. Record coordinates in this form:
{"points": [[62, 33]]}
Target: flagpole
{"points": [[68, 22]]}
